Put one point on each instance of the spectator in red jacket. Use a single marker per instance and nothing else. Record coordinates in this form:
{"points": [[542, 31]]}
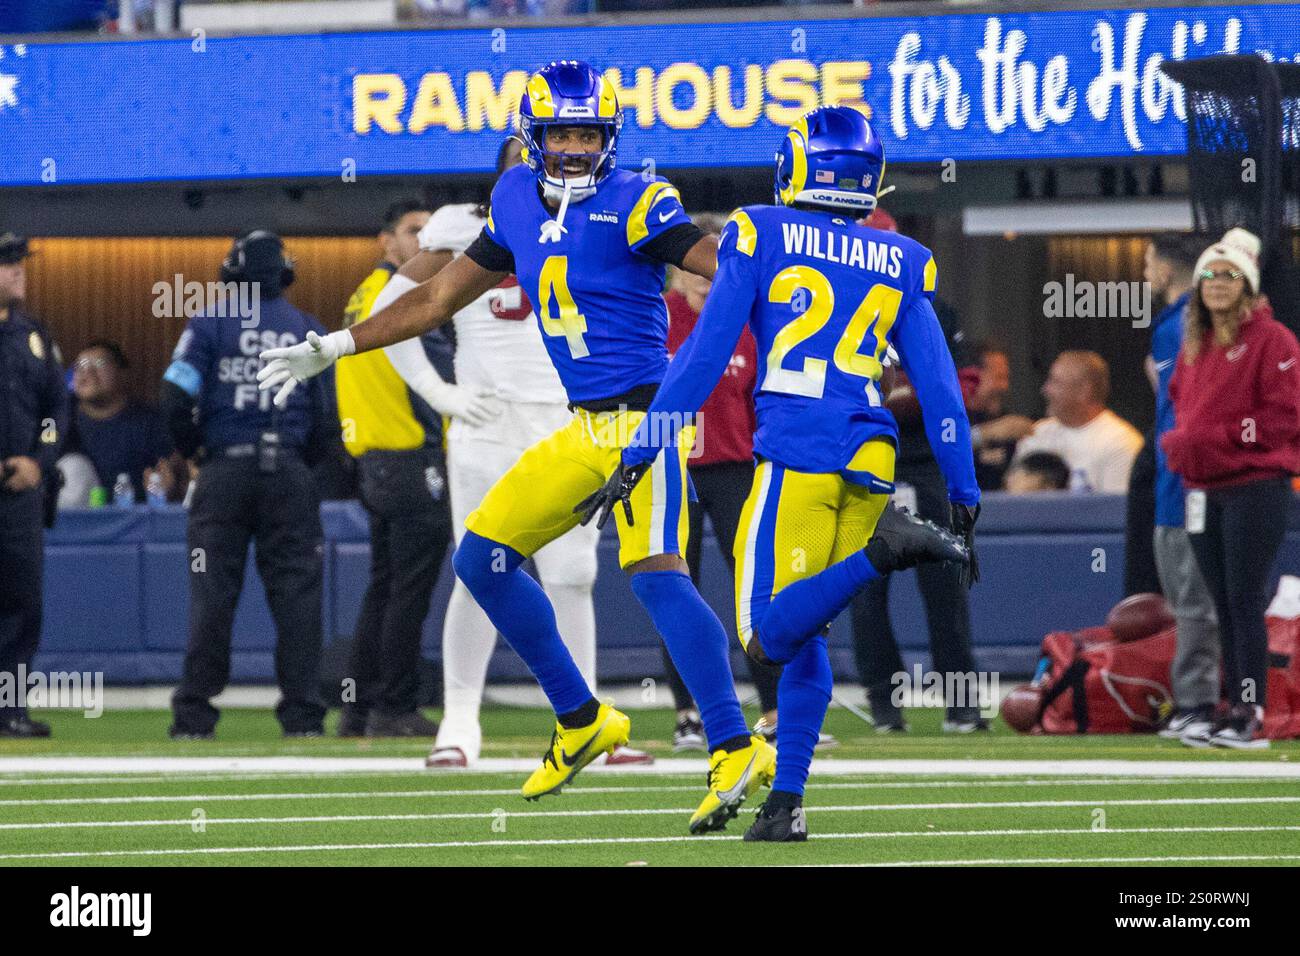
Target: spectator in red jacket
{"points": [[1236, 443]]}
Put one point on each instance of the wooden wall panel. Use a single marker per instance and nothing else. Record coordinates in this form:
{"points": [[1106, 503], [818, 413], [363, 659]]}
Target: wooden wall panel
{"points": [[85, 289], [1099, 259]]}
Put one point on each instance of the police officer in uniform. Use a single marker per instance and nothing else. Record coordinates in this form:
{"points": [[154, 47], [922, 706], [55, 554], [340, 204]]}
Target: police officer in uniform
{"points": [[33, 420], [254, 484]]}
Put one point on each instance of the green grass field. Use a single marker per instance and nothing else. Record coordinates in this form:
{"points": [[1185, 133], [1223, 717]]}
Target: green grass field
{"points": [[1074, 810]]}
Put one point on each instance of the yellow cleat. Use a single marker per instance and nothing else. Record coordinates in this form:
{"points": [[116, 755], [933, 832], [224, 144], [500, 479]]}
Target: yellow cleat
{"points": [[573, 748], [733, 777]]}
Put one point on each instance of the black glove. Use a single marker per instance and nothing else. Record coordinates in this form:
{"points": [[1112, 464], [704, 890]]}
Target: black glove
{"points": [[963, 526], [617, 488]]}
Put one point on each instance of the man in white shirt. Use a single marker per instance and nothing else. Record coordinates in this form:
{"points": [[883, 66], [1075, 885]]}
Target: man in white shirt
{"points": [[1096, 444]]}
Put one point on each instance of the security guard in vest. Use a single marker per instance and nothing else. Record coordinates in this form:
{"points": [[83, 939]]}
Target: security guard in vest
{"points": [[254, 484], [396, 438], [33, 421]]}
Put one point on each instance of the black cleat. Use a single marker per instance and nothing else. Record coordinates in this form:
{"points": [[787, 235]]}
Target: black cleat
{"points": [[894, 724], [177, 732], [885, 716], [412, 724], [778, 824], [1242, 729], [902, 540], [23, 726], [352, 722], [964, 720]]}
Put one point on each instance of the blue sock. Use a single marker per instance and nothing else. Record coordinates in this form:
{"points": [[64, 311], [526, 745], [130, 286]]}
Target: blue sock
{"points": [[698, 646], [802, 697], [519, 608], [800, 610]]}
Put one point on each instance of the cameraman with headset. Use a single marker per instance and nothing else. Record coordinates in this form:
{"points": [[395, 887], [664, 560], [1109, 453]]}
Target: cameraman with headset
{"points": [[254, 484]]}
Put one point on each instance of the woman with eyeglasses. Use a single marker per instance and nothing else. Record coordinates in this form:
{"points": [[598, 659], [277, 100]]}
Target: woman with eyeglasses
{"points": [[1236, 443]]}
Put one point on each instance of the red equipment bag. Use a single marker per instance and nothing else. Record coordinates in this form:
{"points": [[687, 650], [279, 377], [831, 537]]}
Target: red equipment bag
{"points": [[1282, 713], [1100, 686], [1093, 683]]}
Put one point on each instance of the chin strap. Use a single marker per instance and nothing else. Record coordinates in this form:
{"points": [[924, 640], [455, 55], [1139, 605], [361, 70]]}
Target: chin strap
{"points": [[553, 229]]}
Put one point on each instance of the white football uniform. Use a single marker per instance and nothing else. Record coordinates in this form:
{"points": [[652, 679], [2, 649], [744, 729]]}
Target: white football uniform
{"points": [[499, 349], [498, 344]]}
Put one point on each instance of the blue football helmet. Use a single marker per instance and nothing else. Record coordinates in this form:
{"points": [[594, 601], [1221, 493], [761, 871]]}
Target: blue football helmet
{"points": [[569, 93], [831, 159]]}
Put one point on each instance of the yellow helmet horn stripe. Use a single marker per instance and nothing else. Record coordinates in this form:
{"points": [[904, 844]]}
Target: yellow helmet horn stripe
{"points": [[798, 137], [540, 97], [608, 100]]}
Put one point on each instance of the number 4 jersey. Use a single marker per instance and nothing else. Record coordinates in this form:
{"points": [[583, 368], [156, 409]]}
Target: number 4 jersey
{"points": [[595, 274], [498, 347], [825, 297]]}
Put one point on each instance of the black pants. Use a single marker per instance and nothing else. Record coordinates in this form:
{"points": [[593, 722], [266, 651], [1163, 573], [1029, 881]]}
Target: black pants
{"points": [[233, 505], [22, 560], [722, 490], [1140, 575], [410, 530], [946, 608], [1243, 532]]}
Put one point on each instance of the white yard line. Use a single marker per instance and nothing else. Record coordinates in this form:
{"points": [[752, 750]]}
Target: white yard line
{"points": [[327, 795], [665, 767], [606, 841], [502, 815], [126, 780], [1050, 860], [397, 794]]}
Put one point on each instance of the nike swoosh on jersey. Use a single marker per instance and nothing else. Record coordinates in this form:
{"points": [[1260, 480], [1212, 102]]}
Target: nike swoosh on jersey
{"points": [[665, 216], [1283, 366]]}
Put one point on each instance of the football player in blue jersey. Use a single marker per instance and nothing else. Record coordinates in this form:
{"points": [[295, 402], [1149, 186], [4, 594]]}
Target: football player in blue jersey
{"points": [[825, 298], [589, 243]]}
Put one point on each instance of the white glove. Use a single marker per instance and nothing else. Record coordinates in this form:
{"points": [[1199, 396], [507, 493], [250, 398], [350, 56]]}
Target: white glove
{"points": [[289, 365], [475, 407]]}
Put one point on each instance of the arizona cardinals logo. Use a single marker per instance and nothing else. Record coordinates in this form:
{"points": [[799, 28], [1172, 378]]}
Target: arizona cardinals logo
{"points": [[508, 301], [1141, 700]]}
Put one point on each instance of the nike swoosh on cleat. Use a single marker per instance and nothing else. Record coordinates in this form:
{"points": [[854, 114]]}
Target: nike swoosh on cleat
{"points": [[738, 791], [570, 761]]}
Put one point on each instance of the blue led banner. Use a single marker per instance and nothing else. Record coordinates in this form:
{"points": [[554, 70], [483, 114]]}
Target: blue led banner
{"points": [[969, 86]]}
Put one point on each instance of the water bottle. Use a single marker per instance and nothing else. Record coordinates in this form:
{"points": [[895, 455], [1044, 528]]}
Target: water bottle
{"points": [[123, 493], [154, 491]]}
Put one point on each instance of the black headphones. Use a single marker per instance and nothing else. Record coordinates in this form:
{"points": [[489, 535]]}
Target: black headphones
{"points": [[234, 267]]}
